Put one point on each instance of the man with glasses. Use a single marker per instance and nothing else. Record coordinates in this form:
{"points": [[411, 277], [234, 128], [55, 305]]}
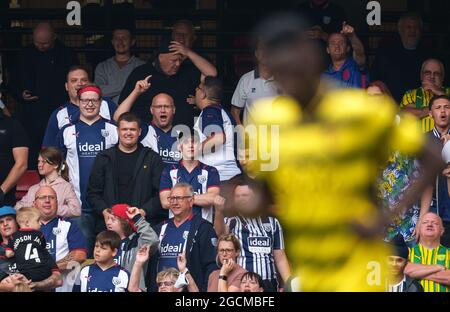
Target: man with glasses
{"points": [[65, 242], [184, 233], [158, 134], [416, 101], [81, 141], [127, 173]]}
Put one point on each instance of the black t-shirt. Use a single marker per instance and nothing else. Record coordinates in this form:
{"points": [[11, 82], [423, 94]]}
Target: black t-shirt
{"points": [[329, 17], [126, 163], [12, 135], [179, 86], [31, 255]]}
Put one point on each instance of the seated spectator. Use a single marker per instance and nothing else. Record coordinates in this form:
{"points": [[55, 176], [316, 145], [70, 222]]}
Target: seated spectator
{"points": [[252, 86], [398, 64], [169, 280], [77, 78], [28, 247], [184, 233], [349, 71], [53, 168], [251, 282], [216, 129], [429, 260], [13, 158], [325, 16], [65, 242], [397, 281], [105, 275], [261, 237], [228, 277], [127, 173], [169, 75], [110, 75], [81, 141], [377, 88], [156, 135], [134, 232], [416, 101], [204, 179], [8, 267]]}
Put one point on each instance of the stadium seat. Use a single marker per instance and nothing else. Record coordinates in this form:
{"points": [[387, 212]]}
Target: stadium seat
{"points": [[29, 178]]}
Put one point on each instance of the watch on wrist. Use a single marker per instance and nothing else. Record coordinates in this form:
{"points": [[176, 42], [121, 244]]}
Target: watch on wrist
{"points": [[223, 277]]}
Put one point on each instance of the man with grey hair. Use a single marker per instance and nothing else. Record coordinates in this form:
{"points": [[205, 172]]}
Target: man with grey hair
{"points": [[416, 101], [184, 234], [398, 65]]}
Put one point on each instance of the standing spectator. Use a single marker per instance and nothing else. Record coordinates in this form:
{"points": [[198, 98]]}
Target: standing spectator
{"points": [[110, 75], [134, 232], [52, 166], [416, 101], [350, 71], [228, 277], [203, 179], [8, 226], [325, 16], [168, 76], [398, 64], [397, 281], [216, 129], [127, 173], [39, 82], [13, 158], [77, 78], [429, 260], [186, 234], [81, 142], [439, 108], [261, 237], [158, 134], [65, 242], [104, 275], [252, 86]]}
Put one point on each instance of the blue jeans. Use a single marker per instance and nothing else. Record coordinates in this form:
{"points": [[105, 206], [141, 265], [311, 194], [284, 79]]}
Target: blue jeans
{"points": [[86, 223]]}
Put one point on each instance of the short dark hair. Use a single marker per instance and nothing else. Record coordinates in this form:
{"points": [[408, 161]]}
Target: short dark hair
{"points": [[438, 97], [78, 67], [129, 117], [253, 276], [109, 238], [129, 29], [213, 88]]}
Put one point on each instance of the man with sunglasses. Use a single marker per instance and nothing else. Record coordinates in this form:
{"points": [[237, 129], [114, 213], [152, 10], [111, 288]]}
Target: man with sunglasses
{"points": [[81, 141], [416, 101], [185, 233]]}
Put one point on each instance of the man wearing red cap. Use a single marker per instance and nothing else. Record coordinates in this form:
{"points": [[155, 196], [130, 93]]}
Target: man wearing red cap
{"points": [[134, 232], [81, 141]]}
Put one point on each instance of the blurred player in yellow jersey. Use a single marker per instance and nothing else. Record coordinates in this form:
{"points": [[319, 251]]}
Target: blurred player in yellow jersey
{"points": [[324, 164]]}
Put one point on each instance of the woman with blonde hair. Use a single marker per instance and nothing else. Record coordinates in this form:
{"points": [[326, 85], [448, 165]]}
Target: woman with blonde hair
{"points": [[53, 168]]}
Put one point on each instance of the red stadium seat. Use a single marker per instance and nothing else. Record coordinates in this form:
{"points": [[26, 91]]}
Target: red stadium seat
{"points": [[29, 178]]}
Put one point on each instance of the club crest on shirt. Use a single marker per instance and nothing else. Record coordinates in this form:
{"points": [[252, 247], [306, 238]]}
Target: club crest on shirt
{"points": [[326, 20], [185, 234], [116, 280], [201, 179], [214, 241], [105, 133], [56, 231], [267, 227]]}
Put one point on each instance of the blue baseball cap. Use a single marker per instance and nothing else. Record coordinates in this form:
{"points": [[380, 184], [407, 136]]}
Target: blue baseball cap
{"points": [[6, 211]]}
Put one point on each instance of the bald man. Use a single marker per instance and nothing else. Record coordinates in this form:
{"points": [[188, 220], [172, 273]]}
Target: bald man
{"points": [[38, 83], [416, 101], [159, 134]]}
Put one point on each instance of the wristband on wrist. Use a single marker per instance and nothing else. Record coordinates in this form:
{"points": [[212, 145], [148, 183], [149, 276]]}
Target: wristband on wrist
{"points": [[223, 277]]}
